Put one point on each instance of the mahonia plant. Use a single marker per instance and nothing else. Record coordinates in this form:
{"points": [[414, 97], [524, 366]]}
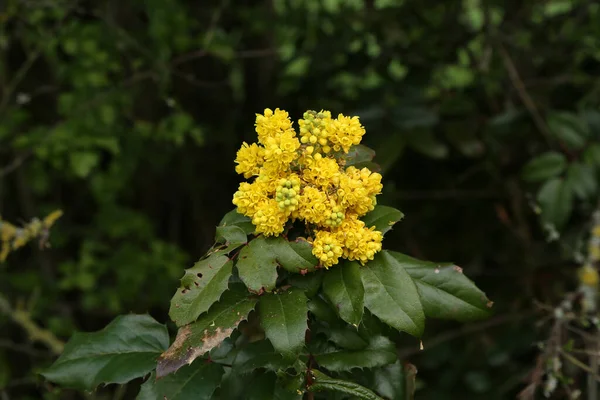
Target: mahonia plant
{"points": [[296, 299]]}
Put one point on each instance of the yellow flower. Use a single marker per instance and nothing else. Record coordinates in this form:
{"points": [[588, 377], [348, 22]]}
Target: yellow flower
{"points": [[345, 132], [303, 178], [323, 173], [272, 124], [269, 219], [327, 248], [312, 205], [249, 159]]}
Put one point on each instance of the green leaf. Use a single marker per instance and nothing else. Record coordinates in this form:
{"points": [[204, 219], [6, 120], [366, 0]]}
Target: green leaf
{"points": [[258, 355], [257, 266], [208, 332], [323, 382], [310, 283], [83, 162], [389, 381], [294, 256], [257, 262], [582, 180], [196, 381], [270, 386], [544, 166], [125, 349], [283, 316], [233, 218], [358, 155], [201, 286], [232, 236], [382, 218], [343, 287], [391, 295], [592, 156], [556, 201], [569, 129], [346, 337], [380, 351], [445, 292], [322, 310]]}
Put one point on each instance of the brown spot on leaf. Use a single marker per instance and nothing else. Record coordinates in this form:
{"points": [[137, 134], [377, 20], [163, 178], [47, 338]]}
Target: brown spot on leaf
{"points": [[199, 275], [458, 269], [489, 304], [177, 355], [303, 271]]}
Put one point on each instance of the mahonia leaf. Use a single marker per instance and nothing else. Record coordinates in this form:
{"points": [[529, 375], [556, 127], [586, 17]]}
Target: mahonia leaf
{"points": [[258, 355], [391, 295], [233, 218], [258, 261], [284, 318], [201, 286], [196, 381], [444, 290], [323, 382], [379, 352], [125, 349], [361, 156], [232, 236], [382, 218], [344, 288], [208, 332]]}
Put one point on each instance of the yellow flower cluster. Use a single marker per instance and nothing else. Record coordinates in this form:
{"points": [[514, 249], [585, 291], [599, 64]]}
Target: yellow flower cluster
{"points": [[304, 178], [13, 237]]}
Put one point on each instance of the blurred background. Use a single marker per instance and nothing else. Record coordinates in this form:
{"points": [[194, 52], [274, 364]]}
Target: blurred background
{"points": [[127, 116]]}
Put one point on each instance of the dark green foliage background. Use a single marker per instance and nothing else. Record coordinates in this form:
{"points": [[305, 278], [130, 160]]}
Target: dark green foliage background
{"points": [[127, 115]]}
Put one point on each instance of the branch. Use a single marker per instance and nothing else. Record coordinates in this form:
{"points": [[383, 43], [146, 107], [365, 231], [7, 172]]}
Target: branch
{"points": [[34, 331], [523, 94]]}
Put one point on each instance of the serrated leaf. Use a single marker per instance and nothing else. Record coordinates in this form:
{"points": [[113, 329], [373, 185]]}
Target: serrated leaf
{"points": [[389, 381], [445, 292], [295, 256], [391, 295], [344, 288], [283, 316], [379, 352], [359, 154], [196, 381], [382, 218], [231, 236], [258, 355], [310, 283], [207, 332], [257, 267], [568, 128], [233, 218], [257, 262], [582, 180], [125, 349], [322, 310], [201, 286], [346, 337], [544, 166], [323, 382], [556, 201]]}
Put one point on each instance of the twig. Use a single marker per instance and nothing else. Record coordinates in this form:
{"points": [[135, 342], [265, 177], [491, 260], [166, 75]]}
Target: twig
{"points": [[466, 330], [34, 332], [523, 94]]}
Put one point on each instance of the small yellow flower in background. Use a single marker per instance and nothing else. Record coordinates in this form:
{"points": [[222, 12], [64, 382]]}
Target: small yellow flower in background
{"points": [[588, 276], [301, 176]]}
